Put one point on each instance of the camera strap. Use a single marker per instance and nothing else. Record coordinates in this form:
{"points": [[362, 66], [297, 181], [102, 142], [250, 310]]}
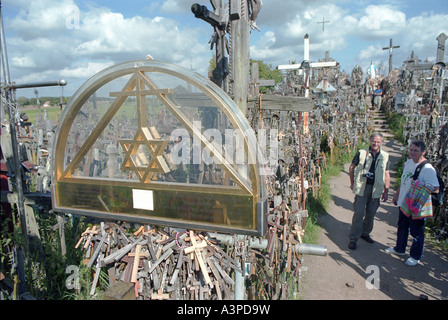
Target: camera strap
{"points": [[374, 160]]}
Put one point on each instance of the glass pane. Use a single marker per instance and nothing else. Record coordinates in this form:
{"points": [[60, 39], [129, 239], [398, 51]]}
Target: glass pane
{"points": [[166, 134], [190, 158]]}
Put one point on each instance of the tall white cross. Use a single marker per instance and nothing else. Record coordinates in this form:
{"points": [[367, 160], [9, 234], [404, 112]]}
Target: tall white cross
{"points": [[325, 64]]}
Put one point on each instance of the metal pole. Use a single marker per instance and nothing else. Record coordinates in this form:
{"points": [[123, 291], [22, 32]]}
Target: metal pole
{"points": [[17, 164], [12, 124], [240, 288], [15, 86], [3, 47], [302, 248]]}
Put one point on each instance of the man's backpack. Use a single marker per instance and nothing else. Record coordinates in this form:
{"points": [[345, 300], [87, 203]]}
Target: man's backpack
{"points": [[437, 198]]}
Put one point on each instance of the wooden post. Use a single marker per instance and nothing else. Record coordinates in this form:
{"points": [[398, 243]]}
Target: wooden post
{"points": [[136, 263], [240, 41], [302, 172]]}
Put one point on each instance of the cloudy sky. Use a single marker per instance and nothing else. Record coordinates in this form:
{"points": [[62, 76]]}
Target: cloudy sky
{"points": [[74, 39]]}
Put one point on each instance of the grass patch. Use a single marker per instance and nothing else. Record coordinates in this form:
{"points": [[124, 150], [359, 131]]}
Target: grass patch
{"points": [[319, 204], [53, 113]]}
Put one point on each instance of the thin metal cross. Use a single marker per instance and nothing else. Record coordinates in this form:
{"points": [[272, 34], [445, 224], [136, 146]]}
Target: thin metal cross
{"points": [[323, 23]]}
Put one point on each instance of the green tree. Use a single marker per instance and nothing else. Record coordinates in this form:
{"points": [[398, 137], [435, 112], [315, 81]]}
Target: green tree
{"points": [[266, 71]]}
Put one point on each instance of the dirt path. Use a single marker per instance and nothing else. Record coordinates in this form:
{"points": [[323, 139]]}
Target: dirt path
{"points": [[343, 273]]}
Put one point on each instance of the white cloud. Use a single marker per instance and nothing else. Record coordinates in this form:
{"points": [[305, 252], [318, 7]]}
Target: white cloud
{"points": [[380, 21], [44, 43], [356, 33], [295, 28], [83, 69], [425, 30], [369, 52], [176, 6], [41, 18], [23, 62], [42, 47]]}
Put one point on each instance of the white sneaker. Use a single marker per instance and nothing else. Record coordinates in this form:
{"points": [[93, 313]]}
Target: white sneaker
{"points": [[392, 251], [411, 262]]}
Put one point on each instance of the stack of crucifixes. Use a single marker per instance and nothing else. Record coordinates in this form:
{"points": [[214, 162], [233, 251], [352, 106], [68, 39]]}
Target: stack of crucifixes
{"points": [[161, 264]]}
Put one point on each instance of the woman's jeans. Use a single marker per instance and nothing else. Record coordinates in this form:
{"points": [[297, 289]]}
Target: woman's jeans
{"points": [[417, 230]]}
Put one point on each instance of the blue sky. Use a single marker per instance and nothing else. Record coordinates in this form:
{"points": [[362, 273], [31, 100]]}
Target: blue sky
{"points": [[43, 45]]}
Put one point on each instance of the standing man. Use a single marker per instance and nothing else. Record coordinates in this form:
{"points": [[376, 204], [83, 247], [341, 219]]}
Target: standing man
{"points": [[377, 97], [369, 180]]}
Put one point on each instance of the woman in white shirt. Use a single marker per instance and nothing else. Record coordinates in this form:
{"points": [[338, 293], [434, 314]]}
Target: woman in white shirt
{"points": [[408, 224]]}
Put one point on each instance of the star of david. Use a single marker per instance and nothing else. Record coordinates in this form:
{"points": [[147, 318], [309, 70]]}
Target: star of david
{"points": [[136, 159]]}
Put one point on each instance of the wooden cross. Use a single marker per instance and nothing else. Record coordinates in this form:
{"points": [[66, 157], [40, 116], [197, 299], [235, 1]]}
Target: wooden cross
{"points": [[390, 47], [128, 273], [319, 179], [275, 225], [138, 249], [83, 235], [256, 82], [286, 213], [313, 186], [291, 242], [297, 231], [160, 295], [141, 229], [348, 144], [97, 250], [90, 235], [196, 249], [324, 159]]}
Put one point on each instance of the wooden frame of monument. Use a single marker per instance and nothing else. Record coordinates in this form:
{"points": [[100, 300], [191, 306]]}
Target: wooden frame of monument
{"points": [[145, 195]]}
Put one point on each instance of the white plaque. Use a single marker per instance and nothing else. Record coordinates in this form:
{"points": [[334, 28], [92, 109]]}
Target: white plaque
{"points": [[143, 199]]}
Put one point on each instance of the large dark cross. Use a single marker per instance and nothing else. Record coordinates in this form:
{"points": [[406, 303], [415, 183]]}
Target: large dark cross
{"points": [[219, 41], [390, 47], [232, 72]]}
